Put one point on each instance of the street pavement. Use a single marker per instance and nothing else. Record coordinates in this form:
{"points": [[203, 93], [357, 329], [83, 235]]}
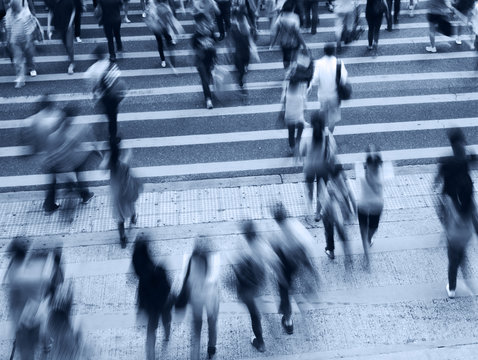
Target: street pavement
{"points": [[205, 171]]}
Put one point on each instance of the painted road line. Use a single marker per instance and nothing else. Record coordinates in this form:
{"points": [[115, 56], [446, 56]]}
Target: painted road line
{"points": [[266, 85], [222, 50], [227, 166], [262, 135], [260, 109]]}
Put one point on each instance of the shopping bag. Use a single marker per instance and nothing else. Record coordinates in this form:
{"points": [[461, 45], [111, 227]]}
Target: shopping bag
{"points": [[221, 77]]}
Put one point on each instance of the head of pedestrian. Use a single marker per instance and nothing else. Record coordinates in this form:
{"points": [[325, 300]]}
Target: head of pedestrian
{"points": [[15, 6], [317, 122], [329, 49], [373, 159], [279, 212], [100, 52], [249, 231], [457, 141], [19, 247], [141, 245]]}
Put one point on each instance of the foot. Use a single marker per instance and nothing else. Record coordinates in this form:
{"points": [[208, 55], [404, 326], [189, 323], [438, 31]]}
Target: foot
{"points": [[371, 243], [330, 254], [143, 14], [127, 21], [458, 41], [431, 49], [313, 31], [221, 37], [389, 28], [134, 219], [370, 47], [71, 69], [51, 209], [19, 82], [395, 21], [163, 64], [211, 351], [173, 42], [330, 7], [259, 346], [87, 198], [78, 39], [287, 325], [209, 103], [123, 241], [451, 293], [33, 73], [112, 58], [318, 216]]}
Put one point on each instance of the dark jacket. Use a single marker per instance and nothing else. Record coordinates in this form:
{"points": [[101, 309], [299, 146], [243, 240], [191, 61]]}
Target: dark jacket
{"points": [[111, 11]]}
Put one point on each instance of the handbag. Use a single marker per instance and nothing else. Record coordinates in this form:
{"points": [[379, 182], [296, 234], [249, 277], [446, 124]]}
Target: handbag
{"points": [[344, 90]]}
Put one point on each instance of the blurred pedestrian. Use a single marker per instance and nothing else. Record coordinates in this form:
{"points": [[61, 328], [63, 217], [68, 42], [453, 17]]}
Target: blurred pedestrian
{"points": [[223, 18], [374, 11], [286, 31], [250, 273], [370, 201], [125, 190], [339, 205], [111, 19], [294, 97], [153, 293], [200, 289], [79, 8], [344, 22], [463, 10], [19, 40], [319, 158], [66, 151], [396, 12], [311, 8], [293, 248], [439, 21], [64, 13], [326, 71], [205, 53], [208, 8], [108, 88]]}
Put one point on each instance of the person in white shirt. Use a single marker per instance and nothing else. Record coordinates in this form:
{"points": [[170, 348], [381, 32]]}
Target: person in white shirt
{"points": [[325, 76]]}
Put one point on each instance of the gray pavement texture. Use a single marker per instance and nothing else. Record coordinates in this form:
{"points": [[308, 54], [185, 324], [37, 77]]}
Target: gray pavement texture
{"points": [[397, 310]]}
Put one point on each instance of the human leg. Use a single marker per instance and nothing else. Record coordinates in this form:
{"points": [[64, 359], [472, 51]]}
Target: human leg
{"points": [[300, 129], [212, 310], [159, 41], [455, 257], [255, 318], [196, 335], [291, 129], [108, 29], [151, 336], [117, 34]]}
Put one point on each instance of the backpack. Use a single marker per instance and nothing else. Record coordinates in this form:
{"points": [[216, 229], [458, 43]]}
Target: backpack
{"points": [[302, 73], [288, 34], [250, 274]]}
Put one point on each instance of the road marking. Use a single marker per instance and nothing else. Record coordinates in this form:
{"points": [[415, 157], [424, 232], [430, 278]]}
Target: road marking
{"points": [[222, 50], [259, 109], [262, 135], [227, 166]]}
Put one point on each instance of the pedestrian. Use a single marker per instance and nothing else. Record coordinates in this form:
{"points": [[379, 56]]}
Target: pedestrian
{"points": [[294, 96], [344, 22], [161, 21], [64, 13], [311, 8], [153, 293], [286, 31], [293, 249], [396, 12], [111, 19], [125, 190], [319, 158], [374, 11], [205, 53], [208, 8], [200, 290], [223, 18], [339, 205], [463, 9], [125, 9], [250, 272], [370, 201], [326, 71], [79, 8], [109, 89], [438, 17], [66, 151], [19, 39]]}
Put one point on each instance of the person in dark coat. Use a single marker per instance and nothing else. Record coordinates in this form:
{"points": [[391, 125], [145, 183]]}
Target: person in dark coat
{"points": [[153, 293], [111, 19], [64, 13], [374, 14], [241, 38]]}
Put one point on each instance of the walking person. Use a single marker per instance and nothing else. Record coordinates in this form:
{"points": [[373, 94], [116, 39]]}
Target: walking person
{"points": [[111, 19], [125, 190], [374, 11], [311, 8], [438, 17], [319, 158], [153, 293], [396, 12], [223, 18], [344, 22], [370, 201], [326, 71], [286, 30], [19, 40], [205, 54], [200, 290], [64, 13]]}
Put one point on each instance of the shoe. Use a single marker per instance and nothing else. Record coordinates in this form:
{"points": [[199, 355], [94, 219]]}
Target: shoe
{"points": [[127, 21], [112, 58], [458, 41], [330, 254], [318, 217], [259, 346], [209, 103], [163, 64], [369, 47], [78, 39], [173, 42], [289, 329], [143, 14], [51, 209], [330, 7], [71, 69], [395, 21], [221, 37], [123, 242], [88, 197], [451, 293], [313, 31], [19, 82], [371, 243], [33, 73], [431, 49], [134, 219], [211, 351], [389, 28]]}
